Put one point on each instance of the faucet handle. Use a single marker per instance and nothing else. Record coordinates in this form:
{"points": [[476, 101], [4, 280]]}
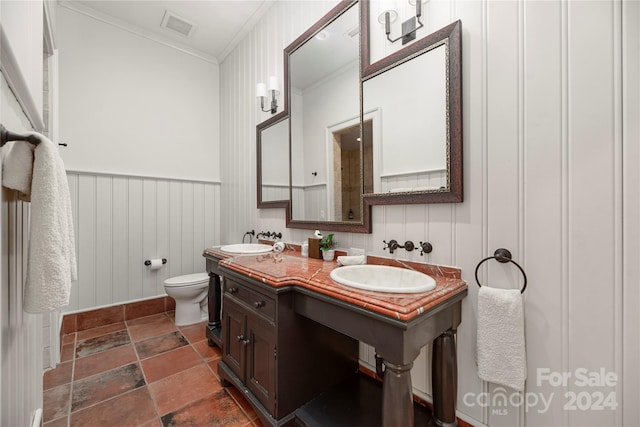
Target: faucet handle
{"points": [[392, 245], [425, 247]]}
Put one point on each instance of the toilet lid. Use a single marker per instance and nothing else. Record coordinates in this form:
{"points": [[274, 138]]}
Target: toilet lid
{"points": [[187, 279]]}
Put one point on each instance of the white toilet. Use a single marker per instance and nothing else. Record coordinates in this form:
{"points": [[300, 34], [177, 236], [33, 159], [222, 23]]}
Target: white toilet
{"points": [[190, 292]]}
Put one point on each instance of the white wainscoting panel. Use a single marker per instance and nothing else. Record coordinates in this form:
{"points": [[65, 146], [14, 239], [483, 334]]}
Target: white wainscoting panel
{"points": [[21, 344], [121, 221]]}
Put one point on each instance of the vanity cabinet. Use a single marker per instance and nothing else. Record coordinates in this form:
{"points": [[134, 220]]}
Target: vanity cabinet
{"points": [[249, 340], [278, 359]]}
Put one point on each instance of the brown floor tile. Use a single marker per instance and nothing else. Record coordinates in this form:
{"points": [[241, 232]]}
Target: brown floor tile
{"points": [[169, 363], [104, 361], [58, 376], [178, 390], [194, 333], [242, 403], [69, 338], [138, 309], [68, 352], [94, 389], [216, 410], [206, 351], [102, 343], [213, 365], [161, 344], [56, 402], [100, 317], [101, 330], [154, 423], [129, 409], [152, 326], [60, 422], [69, 324]]}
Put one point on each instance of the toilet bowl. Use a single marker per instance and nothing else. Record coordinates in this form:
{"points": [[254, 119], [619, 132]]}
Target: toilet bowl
{"points": [[190, 293]]}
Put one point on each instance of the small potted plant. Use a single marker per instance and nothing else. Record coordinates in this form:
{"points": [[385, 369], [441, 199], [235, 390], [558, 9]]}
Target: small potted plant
{"points": [[327, 245]]}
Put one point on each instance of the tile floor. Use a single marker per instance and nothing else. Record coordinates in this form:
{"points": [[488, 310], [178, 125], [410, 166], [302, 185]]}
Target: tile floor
{"points": [[142, 372]]}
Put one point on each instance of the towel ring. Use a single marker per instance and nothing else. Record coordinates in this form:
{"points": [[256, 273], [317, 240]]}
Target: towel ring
{"points": [[503, 256]]}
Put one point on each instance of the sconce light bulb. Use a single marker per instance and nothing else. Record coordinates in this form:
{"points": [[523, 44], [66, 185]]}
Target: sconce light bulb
{"points": [[387, 7], [273, 84], [261, 90]]}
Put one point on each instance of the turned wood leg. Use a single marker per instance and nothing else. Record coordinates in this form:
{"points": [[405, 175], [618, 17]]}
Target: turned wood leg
{"points": [[444, 379], [397, 395], [214, 301]]}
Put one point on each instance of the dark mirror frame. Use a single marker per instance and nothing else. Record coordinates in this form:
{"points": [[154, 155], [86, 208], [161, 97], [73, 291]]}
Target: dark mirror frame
{"points": [[451, 33], [283, 115]]}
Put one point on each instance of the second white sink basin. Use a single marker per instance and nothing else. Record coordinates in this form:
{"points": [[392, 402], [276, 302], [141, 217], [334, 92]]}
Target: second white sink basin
{"points": [[247, 248], [383, 278]]}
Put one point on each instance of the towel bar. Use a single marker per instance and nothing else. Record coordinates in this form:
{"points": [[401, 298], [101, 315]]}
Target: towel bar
{"points": [[503, 256], [7, 135]]}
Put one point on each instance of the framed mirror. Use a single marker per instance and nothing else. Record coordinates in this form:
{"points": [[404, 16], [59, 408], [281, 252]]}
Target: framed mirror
{"points": [[412, 111], [323, 88], [272, 148], [393, 137]]}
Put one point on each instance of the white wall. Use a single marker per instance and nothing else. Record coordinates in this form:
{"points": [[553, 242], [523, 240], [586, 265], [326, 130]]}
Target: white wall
{"points": [[21, 341], [142, 123], [131, 105], [543, 175]]}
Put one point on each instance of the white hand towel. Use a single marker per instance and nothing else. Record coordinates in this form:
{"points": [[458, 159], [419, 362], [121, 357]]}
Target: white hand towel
{"points": [[501, 344], [352, 259], [52, 259], [17, 169]]}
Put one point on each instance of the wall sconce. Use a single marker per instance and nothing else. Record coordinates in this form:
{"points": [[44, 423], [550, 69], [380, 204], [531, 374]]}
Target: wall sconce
{"points": [[261, 93], [389, 13]]}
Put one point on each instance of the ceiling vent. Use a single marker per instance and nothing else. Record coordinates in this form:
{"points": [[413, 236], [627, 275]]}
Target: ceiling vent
{"points": [[177, 24]]}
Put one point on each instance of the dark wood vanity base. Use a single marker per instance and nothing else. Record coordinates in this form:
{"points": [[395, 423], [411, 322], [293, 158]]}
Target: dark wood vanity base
{"points": [[290, 335]]}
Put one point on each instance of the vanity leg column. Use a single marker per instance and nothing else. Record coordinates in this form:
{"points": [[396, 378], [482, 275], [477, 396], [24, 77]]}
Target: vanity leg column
{"points": [[214, 308], [397, 395], [444, 379]]}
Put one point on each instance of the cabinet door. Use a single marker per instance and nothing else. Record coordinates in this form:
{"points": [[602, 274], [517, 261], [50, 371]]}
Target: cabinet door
{"points": [[233, 342], [261, 360]]}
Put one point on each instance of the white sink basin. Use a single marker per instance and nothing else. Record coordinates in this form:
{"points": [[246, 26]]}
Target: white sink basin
{"points": [[383, 278], [247, 248]]}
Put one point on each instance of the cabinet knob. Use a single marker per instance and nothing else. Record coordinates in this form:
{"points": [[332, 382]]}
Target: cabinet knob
{"points": [[259, 304], [243, 340], [232, 290]]}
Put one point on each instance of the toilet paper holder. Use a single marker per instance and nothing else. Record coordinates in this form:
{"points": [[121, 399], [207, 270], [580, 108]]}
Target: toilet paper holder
{"points": [[148, 262]]}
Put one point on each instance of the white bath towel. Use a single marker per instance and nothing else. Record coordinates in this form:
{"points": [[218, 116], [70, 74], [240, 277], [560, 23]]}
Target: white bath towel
{"points": [[52, 259], [17, 169], [501, 344], [352, 259]]}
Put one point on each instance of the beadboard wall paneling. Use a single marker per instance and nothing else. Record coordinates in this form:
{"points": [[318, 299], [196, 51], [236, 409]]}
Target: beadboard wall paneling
{"points": [[631, 197], [21, 345], [121, 221], [544, 139]]}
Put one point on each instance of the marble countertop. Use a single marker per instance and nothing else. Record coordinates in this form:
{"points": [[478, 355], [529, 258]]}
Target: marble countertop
{"points": [[289, 268]]}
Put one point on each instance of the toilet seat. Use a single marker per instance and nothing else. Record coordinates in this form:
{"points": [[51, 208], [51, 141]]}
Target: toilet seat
{"points": [[187, 279]]}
